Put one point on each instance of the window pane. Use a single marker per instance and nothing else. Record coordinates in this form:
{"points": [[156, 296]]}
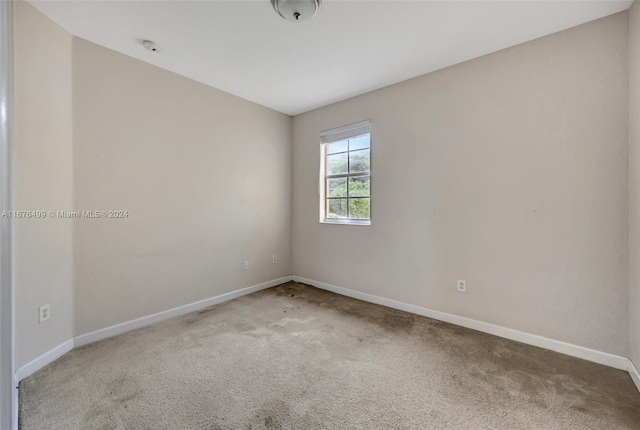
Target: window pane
{"points": [[337, 187], [360, 142], [336, 208], [359, 186], [359, 161], [341, 146], [336, 164], [359, 209]]}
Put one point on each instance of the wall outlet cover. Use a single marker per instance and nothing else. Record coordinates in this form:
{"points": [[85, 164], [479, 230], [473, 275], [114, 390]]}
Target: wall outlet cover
{"points": [[44, 313], [462, 285]]}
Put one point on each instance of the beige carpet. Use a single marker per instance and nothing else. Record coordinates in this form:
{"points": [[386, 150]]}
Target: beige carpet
{"points": [[294, 357]]}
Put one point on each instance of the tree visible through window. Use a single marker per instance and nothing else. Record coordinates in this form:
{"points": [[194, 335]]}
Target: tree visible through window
{"points": [[347, 179]]}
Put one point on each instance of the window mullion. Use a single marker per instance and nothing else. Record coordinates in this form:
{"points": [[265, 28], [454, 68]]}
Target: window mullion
{"points": [[344, 175]]}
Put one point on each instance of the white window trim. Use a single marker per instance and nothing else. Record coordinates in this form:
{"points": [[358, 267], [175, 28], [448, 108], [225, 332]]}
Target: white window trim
{"points": [[334, 135]]}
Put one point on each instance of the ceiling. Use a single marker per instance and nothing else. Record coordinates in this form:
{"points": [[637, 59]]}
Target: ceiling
{"points": [[349, 48]]}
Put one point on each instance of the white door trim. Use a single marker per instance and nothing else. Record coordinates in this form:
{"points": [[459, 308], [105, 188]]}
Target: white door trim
{"points": [[8, 390]]}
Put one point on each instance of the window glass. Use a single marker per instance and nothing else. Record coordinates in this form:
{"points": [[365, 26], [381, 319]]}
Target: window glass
{"points": [[345, 177]]}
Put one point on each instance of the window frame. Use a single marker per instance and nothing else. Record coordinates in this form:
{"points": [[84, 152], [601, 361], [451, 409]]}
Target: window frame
{"points": [[324, 176]]}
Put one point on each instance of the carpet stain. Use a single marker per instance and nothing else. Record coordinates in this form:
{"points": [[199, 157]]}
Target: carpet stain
{"points": [[115, 396], [398, 321], [271, 416]]}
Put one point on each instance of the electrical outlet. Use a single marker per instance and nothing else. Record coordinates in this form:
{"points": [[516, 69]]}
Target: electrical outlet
{"points": [[245, 265], [44, 313], [462, 285], [275, 259]]}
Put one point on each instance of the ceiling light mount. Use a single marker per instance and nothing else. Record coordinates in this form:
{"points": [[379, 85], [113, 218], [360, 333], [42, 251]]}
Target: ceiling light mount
{"points": [[296, 10], [151, 46]]}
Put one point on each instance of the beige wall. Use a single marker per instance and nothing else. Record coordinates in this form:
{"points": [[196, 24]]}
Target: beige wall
{"points": [[509, 171], [634, 182], [43, 174], [204, 175]]}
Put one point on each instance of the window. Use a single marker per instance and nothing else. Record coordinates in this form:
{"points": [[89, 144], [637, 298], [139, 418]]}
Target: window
{"points": [[345, 175]]}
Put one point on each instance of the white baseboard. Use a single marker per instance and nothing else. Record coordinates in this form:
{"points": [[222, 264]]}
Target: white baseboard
{"points": [[633, 371], [117, 329], [46, 358], [137, 323], [595, 356]]}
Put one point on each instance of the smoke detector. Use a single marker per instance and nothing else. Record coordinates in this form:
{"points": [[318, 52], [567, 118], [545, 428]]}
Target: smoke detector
{"points": [[151, 46], [296, 10]]}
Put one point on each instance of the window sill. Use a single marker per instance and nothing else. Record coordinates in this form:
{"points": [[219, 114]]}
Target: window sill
{"points": [[345, 222]]}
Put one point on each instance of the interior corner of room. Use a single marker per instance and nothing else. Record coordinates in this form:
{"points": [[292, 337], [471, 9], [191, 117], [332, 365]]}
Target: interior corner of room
{"points": [[498, 206]]}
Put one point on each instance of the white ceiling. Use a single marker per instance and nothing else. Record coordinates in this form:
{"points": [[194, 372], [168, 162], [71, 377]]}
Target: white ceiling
{"points": [[349, 48]]}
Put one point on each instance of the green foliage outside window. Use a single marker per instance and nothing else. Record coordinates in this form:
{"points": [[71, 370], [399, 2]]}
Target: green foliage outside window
{"points": [[349, 197]]}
